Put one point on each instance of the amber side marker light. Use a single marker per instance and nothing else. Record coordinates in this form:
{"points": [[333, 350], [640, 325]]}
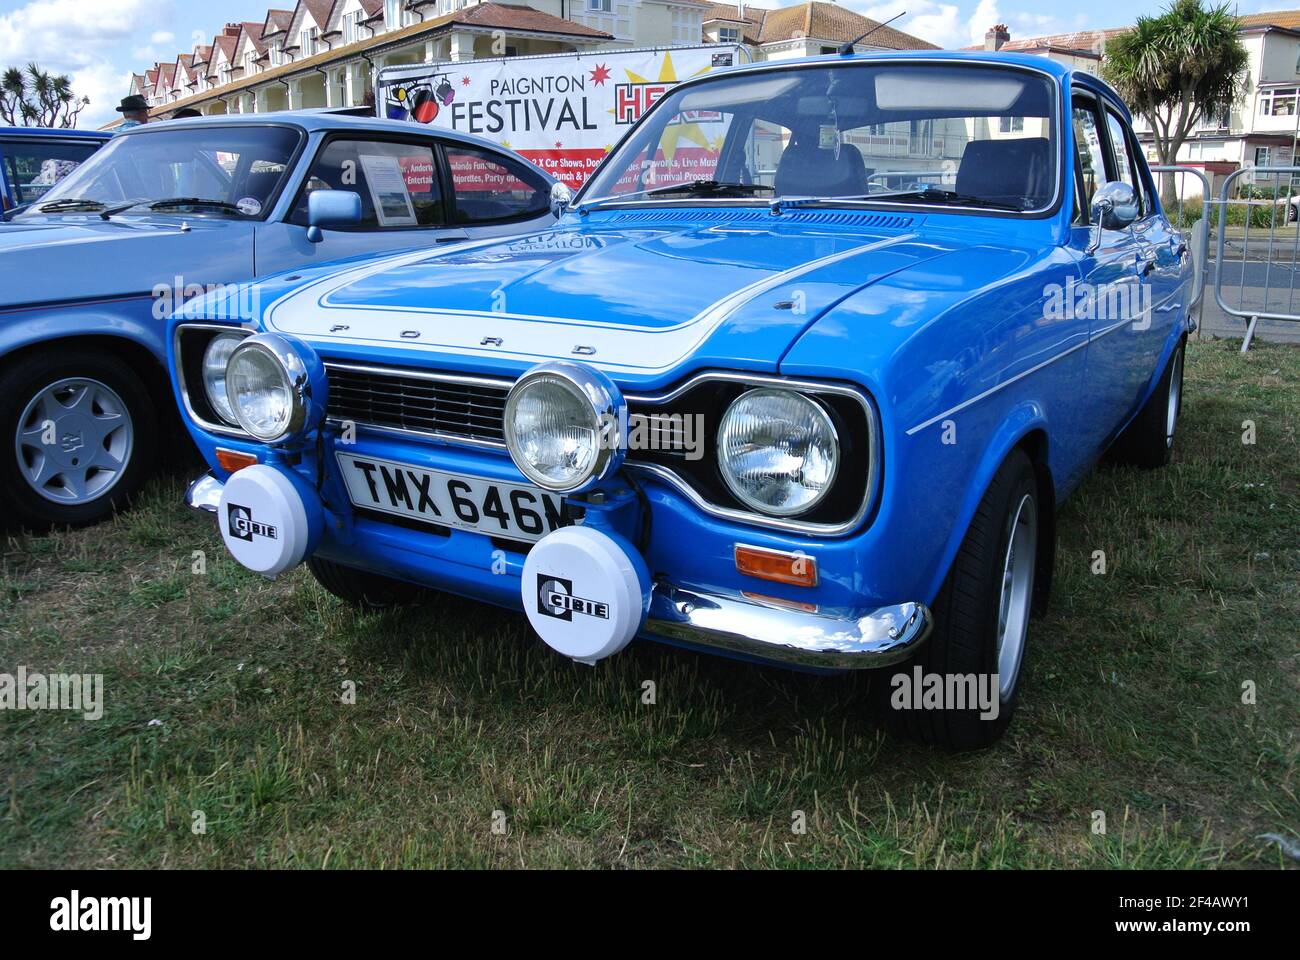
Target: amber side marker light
{"points": [[779, 566], [233, 460]]}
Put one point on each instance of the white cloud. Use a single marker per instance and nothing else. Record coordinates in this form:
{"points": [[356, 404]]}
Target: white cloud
{"points": [[162, 36], [74, 37], [948, 26]]}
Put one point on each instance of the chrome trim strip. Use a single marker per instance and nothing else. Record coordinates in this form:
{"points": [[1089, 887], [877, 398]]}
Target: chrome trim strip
{"points": [[204, 493], [833, 637], [500, 383], [224, 429]]}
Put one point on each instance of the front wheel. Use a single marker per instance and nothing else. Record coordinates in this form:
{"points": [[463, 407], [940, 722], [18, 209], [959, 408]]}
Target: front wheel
{"points": [[960, 691], [82, 438]]}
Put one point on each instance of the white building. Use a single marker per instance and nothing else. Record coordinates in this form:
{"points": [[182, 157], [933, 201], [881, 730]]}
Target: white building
{"points": [[322, 53]]}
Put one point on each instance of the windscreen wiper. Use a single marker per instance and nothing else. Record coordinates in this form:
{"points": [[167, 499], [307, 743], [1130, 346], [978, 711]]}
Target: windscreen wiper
{"points": [[930, 195], [686, 186], [939, 195], [194, 202], [54, 206]]}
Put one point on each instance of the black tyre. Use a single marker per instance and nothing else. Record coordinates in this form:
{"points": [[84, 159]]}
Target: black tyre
{"points": [[981, 623], [80, 434], [1149, 440], [360, 588]]}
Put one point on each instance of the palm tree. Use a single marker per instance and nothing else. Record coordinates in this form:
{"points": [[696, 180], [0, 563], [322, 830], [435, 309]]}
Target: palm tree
{"points": [[1176, 68], [34, 98]]}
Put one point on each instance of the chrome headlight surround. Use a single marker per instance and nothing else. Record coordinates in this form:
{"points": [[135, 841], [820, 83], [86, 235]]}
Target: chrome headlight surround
{"points": [[820, 431], [597, 403], [212, 373], [301, 378]]}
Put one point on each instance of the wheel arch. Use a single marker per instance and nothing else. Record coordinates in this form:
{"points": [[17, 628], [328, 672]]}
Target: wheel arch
{"points": [[1024, 428]]}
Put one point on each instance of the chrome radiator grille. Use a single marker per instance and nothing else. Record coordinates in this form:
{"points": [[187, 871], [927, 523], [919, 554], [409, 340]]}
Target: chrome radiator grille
{"points": [[466, 408]]}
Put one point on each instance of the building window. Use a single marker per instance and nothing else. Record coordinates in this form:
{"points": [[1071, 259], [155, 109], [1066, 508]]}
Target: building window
{"points": [[352, 27], [1262, 156], [601, 6], [686, 27], [276, 54], [1011, 124], [223, 73], [728, 34], [1277, 103], [250, 63], [309, 42], [392, 14]]}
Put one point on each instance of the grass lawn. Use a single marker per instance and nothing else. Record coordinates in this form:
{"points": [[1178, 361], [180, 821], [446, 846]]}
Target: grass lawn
{"points": [[223, 695]]}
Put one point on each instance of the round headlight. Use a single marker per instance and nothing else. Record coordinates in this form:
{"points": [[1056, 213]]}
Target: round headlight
{"points": [[563, 424], [777, 451], [215, 358], [264, 385]]}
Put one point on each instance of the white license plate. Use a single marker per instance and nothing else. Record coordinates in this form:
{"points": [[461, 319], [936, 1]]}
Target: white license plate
{"points": [[488, 507]]}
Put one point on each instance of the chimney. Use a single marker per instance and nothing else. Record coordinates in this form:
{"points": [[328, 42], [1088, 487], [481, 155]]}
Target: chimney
{"points": [[996, 37], [231, 30]]}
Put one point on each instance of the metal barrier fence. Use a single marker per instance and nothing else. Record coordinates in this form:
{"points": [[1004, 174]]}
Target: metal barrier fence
{"points": [[1257, 247], [1197, 227]]}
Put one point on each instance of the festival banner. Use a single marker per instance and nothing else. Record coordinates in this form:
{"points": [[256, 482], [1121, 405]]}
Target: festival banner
{"points": [[564, 112]]}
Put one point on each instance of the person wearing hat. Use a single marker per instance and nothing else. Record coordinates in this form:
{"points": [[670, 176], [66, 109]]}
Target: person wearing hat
{"points": [[134, 110], [185, 113]]}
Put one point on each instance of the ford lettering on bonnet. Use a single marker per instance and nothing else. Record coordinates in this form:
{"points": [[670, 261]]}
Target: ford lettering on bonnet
{"points": [[789, 381]]}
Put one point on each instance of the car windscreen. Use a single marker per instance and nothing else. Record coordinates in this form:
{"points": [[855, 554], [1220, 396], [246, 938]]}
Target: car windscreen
{"points": [[965, 135], [32, 167], [230, 171]]}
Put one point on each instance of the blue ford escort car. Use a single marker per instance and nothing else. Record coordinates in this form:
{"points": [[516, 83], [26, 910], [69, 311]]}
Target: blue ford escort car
{"points": [[167, 212], [803, 376]]}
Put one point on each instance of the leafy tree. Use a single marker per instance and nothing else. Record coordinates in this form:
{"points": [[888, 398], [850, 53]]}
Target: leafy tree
{"points": [[34, 98], [1175, 68]]}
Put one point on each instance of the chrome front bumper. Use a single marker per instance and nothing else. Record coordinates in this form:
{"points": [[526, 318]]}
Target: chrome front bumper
{"points": [[828, 637], [204, 494], [836, 638]]}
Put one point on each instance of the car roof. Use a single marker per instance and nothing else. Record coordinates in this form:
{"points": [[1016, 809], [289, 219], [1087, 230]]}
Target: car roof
{"points": [[310, 120], [313, 120], [46, 133], [1032, 61]]}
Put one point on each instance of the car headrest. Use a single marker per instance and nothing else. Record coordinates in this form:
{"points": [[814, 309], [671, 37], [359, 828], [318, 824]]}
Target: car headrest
{"points": [[1006, 169], [812, 171]]}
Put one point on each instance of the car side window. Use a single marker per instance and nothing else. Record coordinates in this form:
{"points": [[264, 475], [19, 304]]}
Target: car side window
{"points": [[490, 188], [32, 169], [1125, 167], [1091, 153], [397, 182]]}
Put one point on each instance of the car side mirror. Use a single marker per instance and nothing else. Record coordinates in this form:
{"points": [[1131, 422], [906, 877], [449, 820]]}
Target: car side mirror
{"points": [[331, 208], [561, 197], [1114, 207]]}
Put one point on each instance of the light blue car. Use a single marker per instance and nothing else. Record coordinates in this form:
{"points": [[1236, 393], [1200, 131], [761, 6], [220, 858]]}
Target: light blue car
{"points": [[168, 212]]}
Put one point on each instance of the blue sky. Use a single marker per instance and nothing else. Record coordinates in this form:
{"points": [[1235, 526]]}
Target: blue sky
{"points": [[100, 42]]}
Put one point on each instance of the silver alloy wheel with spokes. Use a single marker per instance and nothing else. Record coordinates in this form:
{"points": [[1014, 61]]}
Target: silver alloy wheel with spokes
{"points": [[1175, 398], [1017, 594], [74, 441]]}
